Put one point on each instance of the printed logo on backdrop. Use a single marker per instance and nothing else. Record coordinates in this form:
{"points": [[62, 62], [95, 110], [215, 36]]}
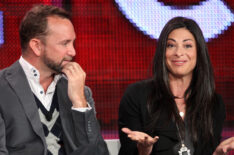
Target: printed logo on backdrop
{"points": [[1, 28], [150, 16]]}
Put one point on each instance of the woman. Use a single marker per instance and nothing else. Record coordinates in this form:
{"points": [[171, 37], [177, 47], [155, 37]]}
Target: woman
{"points": [[178, 110]]}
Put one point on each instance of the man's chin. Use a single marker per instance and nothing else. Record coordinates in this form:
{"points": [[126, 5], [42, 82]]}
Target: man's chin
{"points": [[57, 69]]}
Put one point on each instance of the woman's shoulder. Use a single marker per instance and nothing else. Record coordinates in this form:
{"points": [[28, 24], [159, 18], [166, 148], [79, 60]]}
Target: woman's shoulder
{"points": [[139, 87], [218, 101], [135, 97]]}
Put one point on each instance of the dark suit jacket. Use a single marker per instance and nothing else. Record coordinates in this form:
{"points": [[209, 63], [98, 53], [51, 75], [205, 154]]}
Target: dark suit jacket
{"points": [[133, 114], [21, 131]]}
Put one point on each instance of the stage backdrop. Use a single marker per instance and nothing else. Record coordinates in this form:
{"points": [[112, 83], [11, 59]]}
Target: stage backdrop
{"points": [[116, 41]]}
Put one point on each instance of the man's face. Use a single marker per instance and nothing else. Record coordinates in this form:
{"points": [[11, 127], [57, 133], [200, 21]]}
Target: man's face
{"points": [[59, 44]]}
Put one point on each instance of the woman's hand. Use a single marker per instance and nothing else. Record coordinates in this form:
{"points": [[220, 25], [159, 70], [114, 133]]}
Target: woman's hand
{"points": [[144, 141], [225, 146]]}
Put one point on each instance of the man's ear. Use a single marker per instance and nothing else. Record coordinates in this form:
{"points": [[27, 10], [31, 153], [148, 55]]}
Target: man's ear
{"points": [[36, 45]]}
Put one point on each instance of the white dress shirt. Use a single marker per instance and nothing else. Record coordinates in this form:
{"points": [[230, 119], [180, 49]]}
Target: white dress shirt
{"points": [[33, 77]]}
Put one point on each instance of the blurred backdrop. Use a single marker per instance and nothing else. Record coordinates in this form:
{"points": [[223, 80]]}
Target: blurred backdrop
{"points": [[116, 41]]}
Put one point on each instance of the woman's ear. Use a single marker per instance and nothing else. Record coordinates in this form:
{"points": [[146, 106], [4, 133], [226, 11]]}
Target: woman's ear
{"points": [[36, 46]]}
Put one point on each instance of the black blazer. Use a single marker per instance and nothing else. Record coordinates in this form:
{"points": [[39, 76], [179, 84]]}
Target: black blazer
{"points": [[133, 114], [21, 131]]}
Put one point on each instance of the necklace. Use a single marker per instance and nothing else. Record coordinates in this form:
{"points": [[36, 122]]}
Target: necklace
{"points": [[183, 150], [181, 114]]}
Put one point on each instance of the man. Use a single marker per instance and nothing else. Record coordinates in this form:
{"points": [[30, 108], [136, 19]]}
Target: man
{"points": [[45, 107]]}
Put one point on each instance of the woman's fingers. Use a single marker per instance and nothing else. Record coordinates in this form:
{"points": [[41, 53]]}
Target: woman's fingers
{"points": [[144, 141], [140, 137], [225, 146], [126, 130]]}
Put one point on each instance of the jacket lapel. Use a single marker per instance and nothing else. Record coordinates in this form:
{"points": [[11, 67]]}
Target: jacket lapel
{"points": [[18, 81]]}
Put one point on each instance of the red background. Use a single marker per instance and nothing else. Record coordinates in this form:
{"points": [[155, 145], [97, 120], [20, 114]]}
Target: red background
{"points": [[114, 53]]}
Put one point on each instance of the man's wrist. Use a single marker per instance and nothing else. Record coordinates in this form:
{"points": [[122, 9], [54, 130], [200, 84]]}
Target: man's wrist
{"points": [[83, 109], [80, 104]]}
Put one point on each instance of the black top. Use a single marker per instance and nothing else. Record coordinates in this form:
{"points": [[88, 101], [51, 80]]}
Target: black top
{"points": [[133, 114]]}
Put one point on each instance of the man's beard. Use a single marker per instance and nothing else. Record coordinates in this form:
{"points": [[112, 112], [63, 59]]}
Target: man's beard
{"points": [[57, 67]]}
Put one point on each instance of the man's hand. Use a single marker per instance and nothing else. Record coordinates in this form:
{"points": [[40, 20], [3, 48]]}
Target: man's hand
{"points": [[144, 141], [76, 82], [225, 146]]}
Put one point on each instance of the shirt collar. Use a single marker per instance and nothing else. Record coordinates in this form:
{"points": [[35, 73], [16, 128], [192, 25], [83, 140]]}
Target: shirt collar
{"points": [[32, 73]]}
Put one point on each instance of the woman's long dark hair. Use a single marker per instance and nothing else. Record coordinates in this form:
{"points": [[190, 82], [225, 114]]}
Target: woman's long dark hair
{"points": [[200, 95]]}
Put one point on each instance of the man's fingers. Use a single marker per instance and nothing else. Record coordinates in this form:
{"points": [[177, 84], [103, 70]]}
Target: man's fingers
{"points": [[73, 66], [66, 72], [74, 71]]}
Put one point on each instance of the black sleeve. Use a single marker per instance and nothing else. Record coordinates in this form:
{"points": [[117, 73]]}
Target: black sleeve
{"points": [[87, 130], [130, 116], [219, 117]]}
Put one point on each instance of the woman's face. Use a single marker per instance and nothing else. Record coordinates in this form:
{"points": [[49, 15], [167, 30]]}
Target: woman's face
{"points": [[181, 53]]}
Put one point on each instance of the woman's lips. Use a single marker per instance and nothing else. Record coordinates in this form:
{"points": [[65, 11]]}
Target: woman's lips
{"points": [[179, 62]]}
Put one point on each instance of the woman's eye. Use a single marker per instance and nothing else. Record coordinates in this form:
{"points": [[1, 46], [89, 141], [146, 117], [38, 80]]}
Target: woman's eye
{"points": [[188, 46], [170, 45]]}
